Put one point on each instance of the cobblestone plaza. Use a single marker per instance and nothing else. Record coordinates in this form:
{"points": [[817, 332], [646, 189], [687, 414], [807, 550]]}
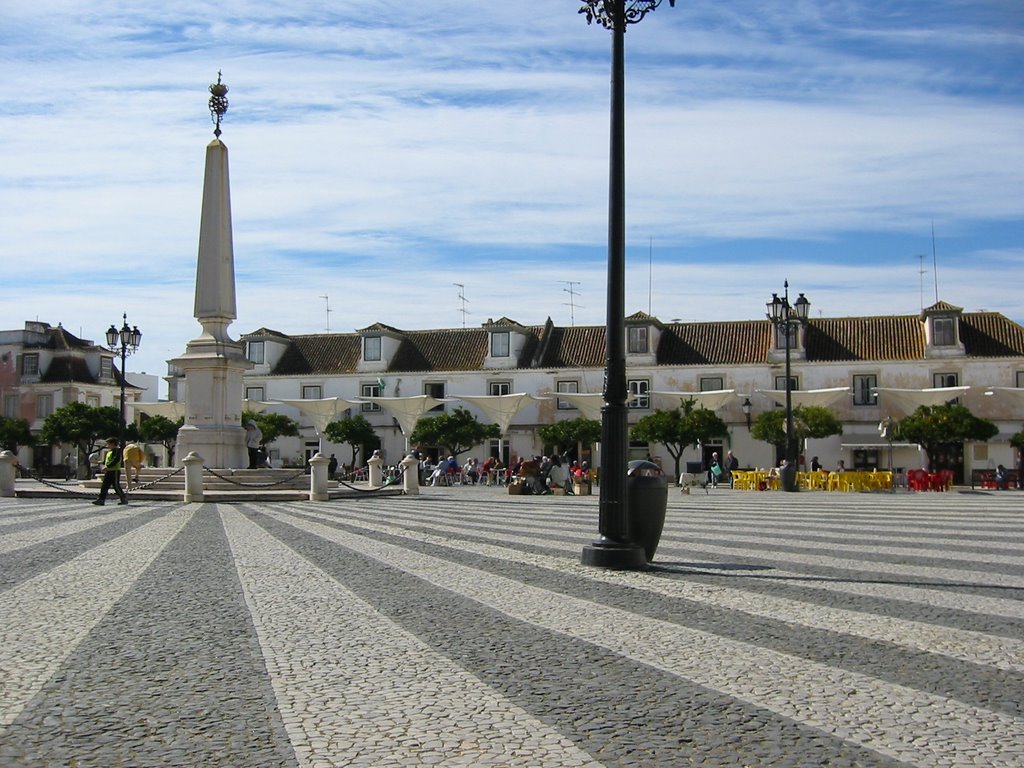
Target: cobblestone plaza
{"points": [[459, 628]]}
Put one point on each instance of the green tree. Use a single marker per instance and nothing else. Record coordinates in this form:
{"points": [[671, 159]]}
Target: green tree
{"points": [[679, 429], [808, 421], [937, 428], [571, 433], [84, 426], [160, 429], [456, 432], [272, 425], [356, 431], [14, 433]]}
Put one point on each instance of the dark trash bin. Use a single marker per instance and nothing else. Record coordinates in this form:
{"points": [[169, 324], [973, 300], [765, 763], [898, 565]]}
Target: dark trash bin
{"points": [[647, 491]]}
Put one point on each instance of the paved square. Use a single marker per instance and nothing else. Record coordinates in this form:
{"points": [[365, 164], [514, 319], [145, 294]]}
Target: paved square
{"points": [[459, 628]]}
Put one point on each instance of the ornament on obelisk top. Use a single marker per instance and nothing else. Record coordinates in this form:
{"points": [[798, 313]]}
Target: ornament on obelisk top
{"points": [[218, 103]]}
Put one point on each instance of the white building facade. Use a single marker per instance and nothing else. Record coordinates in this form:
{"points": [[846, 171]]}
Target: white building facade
{"points": [[941, 347]]}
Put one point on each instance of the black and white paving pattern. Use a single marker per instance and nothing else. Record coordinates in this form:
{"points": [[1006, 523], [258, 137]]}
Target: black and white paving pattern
{"points": [[459, 628]]}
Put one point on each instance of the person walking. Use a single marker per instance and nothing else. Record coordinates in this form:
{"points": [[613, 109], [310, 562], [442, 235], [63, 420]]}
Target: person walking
{"points": [[111, 473], [253, 439]]}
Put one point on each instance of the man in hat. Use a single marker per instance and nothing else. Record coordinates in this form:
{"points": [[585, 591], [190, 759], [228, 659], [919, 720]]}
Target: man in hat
{"points": [[111, 473]]}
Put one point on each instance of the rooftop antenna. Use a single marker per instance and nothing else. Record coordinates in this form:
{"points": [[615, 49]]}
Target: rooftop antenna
{"points": [[572, 296], [920, 271], [650, 273], [463, 299], [935, 264], [328, 302]]}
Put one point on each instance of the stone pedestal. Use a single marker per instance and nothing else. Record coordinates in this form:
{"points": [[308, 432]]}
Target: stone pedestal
{"points": [[318, 478]]}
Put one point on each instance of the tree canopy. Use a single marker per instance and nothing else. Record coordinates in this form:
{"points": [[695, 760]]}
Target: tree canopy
{"points": [[84, 426], [808, 421], [679, 429], [160, 429], [937, 427], [456, 432], [272, 425], [15, 433], [356, 431], [571, 432]]}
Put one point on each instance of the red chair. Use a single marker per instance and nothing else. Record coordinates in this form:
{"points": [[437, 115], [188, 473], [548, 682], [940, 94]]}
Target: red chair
{"points": [[942, 480], [917, 480]]}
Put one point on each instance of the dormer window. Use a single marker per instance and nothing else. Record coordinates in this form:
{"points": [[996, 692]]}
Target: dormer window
{"points": [[30, 365], [106, 368], [637, 340], [256, 352], [500, 343], [944, 332], [371, 348]]}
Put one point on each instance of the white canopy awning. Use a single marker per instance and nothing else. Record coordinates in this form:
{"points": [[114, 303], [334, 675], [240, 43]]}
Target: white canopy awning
{"points": [[321, 411], [169, 409], [712, 399], [256, 406], [1014, 395], [407, 410], [804, 397], [500, 409], [906, 401], [588, 403]]}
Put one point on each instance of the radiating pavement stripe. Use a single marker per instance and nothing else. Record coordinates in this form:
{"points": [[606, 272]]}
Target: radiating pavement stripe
{"points": [[970, 603], [45, 618], [906, 724], [965, 645], [10, 542], [354, 688]]}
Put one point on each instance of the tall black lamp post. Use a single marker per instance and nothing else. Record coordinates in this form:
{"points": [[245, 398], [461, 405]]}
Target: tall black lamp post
{"points": [[785, 317], [129, 340], [614, 548]]}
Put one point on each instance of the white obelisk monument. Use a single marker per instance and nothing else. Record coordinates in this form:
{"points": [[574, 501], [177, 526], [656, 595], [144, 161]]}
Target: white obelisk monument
{"points": [[213, 362]]}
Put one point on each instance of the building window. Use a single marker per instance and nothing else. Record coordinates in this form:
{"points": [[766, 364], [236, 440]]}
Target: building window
{"points": [[571, 387], [711, 383], [371, 348], [942, 332], [44, 406], [30, 365], [11, 406], [257, 394], [637, 340], [106, 368], [369, 390], [780, 383], [864, 390], [497, 388], [312, 392], [1020, 379], [256, 352], [638, 388], [500, 344], [435, 390], [945, 380], [93, 401]]}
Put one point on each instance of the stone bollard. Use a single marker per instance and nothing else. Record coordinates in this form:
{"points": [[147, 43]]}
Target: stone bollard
{"points": [[410, 475], [7, 463], [376, 476], [318, 478], [193, 477]]}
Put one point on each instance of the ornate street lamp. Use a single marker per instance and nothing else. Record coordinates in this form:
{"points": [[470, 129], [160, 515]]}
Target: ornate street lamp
{"points": [[615, 549], [785, 317], [129, 340], [747, 407]]}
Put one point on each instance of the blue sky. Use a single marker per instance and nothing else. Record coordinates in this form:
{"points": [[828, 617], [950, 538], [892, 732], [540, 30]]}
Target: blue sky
{"points": [[381, 152]]}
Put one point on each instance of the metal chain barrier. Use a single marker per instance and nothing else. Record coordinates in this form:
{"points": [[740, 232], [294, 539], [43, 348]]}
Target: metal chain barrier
{"points": [[71, 488], [151, 483], [276, 483], [392, 480]]}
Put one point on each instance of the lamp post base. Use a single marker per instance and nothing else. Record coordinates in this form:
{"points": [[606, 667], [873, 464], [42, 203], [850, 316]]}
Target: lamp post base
{"points": [[605, 553], [788, 478]]}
